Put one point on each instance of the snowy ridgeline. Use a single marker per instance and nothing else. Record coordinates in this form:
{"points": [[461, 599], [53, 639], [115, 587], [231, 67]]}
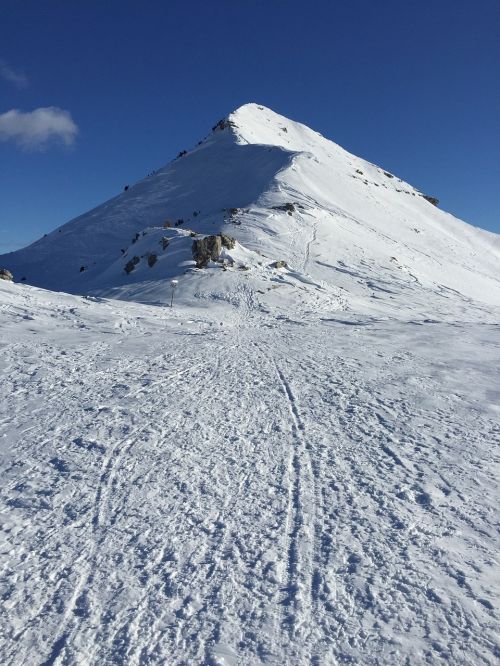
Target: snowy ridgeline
{"points": [[233, 485], [296, 464], [286, 194]]}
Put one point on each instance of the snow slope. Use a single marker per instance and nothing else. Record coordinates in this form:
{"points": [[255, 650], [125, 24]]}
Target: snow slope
{"points": [[290, 466], [354, 226], [241, 486]]}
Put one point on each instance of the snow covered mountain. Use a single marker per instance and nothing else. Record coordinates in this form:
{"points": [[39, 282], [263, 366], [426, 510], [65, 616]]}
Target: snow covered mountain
{"points": [[293, 465], [344, 226]]}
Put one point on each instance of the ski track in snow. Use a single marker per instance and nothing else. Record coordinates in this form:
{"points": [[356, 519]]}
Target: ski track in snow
{"points": [[260, 492]]}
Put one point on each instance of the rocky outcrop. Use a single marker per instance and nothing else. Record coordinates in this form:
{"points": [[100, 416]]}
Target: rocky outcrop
{"points": [[279, 264], [430, 199], [227, 241], [222, 124], [209, 248], [289, 207], [152, 259], [130, 265], [206, 249], [6, 275]]}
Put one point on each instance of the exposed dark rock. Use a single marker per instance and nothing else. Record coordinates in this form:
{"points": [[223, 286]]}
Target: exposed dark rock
{"points": [[206, 249], [222, 124], [136, 238], [130, 265], [82, 268], [430, 199], [279, 264], [179, 222], [227, 241], [287, 207], [164, 243], [389, 175], [125, 188], [182, 153], [233, 211], [359, 171], [152, 259], [5, 274]]}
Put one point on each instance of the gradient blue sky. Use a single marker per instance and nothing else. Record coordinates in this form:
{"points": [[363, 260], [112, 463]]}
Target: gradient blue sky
{"points": [[412, 86]]}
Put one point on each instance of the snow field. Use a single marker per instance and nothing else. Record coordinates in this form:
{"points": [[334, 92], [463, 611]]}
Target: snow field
{"points": [[270, 490]]}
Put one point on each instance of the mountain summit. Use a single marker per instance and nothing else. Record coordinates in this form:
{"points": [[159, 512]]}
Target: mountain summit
{"points": [[348, 230]]}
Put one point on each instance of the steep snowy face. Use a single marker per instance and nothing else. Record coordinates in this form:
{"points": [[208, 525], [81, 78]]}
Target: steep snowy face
{"points": [[196, 190], [344, 227], [361, 227]]}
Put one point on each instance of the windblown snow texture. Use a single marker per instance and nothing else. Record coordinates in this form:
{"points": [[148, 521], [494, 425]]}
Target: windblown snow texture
{"points": [[292, 465]]}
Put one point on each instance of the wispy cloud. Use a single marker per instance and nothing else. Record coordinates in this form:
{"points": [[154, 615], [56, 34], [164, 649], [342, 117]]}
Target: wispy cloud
{"points": [[9, 74], [37, 129]]}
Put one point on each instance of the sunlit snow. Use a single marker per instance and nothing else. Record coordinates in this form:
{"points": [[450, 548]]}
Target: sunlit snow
{"points": [[293, 465]]}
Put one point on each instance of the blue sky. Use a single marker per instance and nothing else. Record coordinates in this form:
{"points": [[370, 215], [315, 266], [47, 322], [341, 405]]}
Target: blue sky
{"points": [[412, 86]]}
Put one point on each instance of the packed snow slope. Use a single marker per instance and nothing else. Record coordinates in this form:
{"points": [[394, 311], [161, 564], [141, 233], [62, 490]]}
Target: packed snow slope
{"points": [[238, 486], [352, 228]]}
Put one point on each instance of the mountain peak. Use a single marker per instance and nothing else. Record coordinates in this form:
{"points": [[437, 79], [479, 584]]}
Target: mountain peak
{"points": [[288, 196], [254, 123]]}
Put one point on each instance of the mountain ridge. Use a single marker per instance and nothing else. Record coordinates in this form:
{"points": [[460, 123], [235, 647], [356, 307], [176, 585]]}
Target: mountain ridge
{"points": [[238, 180]]}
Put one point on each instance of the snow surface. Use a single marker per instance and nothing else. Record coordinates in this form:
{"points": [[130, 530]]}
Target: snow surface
{"points": [[290, 466]]}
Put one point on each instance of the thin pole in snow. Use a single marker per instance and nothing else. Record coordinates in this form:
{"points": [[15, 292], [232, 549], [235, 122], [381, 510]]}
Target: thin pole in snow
{"points": [[173, 284]]}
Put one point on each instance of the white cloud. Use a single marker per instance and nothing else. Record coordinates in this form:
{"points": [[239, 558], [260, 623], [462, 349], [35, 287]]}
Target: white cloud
{"points": [[9, 74], [36, 129]]}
